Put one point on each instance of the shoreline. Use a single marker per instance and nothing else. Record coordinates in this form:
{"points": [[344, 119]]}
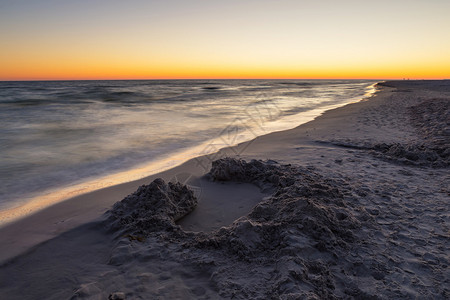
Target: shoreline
{"points": [[140, 172], [30, 189], [360, 210]]}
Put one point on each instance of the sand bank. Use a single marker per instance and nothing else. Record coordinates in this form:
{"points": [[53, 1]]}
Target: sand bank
{"points": [[351, 205]]}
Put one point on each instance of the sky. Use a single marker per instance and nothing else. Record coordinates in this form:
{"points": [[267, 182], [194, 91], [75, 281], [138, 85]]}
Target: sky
{"points": [[169, 39]]}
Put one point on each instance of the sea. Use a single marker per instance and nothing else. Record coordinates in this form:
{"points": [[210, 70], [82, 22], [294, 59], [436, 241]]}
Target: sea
{"points": [[78, 136]]}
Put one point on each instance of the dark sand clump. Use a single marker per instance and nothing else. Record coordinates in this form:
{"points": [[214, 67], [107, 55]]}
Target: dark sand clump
{"points": [[152, 207], [405, 153]]}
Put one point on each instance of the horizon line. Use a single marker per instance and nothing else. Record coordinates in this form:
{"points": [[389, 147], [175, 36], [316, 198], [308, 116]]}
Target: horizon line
{"points": [[215, 78]]}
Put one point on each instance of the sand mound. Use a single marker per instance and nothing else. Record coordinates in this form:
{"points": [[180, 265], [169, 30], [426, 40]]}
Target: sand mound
{"points": [[151, 208], [288, 237], [303, 200], [413, 154]]}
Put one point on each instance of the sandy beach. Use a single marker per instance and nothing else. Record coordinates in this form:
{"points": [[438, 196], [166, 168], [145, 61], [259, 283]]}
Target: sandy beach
{"points": [[352, 205]]}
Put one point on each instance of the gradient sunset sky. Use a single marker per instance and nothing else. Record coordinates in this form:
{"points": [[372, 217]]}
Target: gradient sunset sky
{"points": [[96, 39]]}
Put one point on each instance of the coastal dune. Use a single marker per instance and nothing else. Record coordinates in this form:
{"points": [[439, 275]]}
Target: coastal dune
{"points": [[354, 204]]}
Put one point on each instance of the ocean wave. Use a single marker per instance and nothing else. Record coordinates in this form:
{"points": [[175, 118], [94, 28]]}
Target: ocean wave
{"points": [[211, 88]]}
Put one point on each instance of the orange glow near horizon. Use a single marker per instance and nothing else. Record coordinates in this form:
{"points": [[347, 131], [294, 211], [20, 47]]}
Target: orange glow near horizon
{"points": [[117, 72], [208, 40]]}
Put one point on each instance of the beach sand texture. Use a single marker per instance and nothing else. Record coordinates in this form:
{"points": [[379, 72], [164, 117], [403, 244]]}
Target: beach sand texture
{"points": [[354, 204]]}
